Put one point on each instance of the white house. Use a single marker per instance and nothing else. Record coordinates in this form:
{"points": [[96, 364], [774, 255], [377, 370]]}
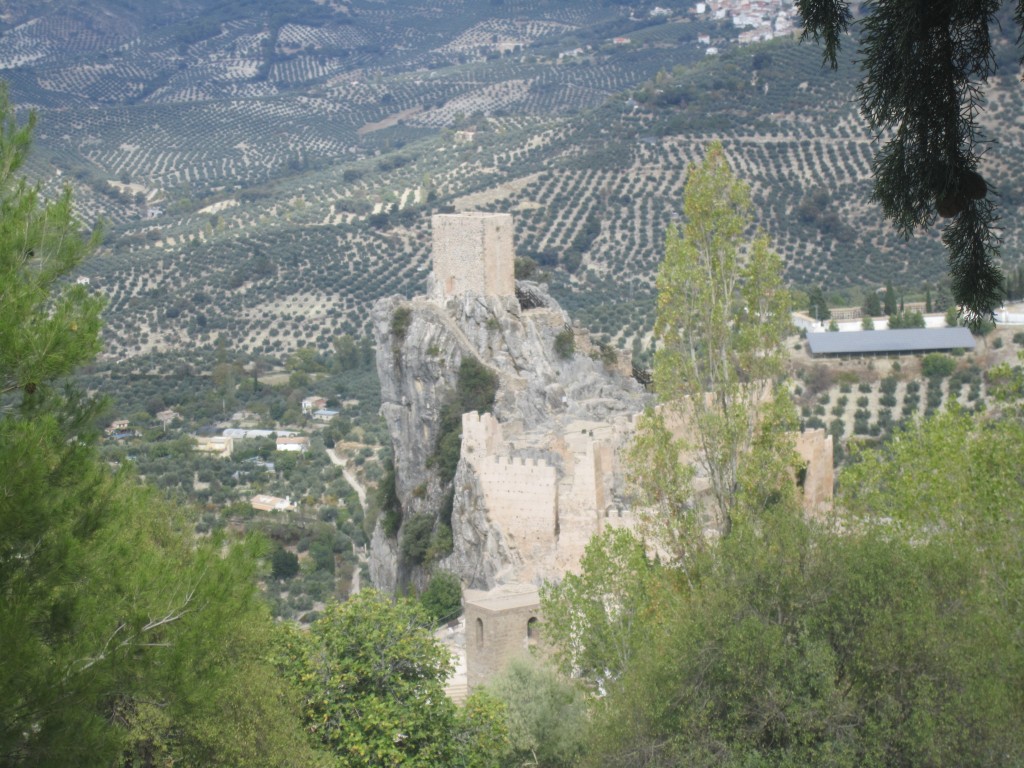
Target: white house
{"points": [[293, 444], [314, 403], [264, 503]]}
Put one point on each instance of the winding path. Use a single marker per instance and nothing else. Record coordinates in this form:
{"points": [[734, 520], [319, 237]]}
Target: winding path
{"points": [[360, 490], [350, 478]]}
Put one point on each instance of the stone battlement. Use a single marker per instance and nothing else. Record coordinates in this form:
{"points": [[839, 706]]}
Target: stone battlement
{"points": [[521, 462]]}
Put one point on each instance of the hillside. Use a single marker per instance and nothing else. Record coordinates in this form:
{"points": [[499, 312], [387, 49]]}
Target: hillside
{"points": [[264, 177]]}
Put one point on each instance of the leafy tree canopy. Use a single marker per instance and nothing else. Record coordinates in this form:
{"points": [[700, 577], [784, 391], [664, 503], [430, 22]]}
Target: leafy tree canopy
{"points": [[372, 678], [546, 713], [442, 598], [722, 316], [123, 637]]}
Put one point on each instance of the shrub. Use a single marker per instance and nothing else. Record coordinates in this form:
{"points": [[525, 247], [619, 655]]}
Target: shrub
{"points": [[389, 502], [475, 390], [400, 322], [441, 543], [565, 344], [526, 268], [416, 538], [937, 365], [442, 598], [477, 386]]}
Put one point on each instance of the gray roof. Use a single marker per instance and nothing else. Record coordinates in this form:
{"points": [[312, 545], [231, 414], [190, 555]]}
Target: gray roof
{"points": [[883, 342], [241, 434]]}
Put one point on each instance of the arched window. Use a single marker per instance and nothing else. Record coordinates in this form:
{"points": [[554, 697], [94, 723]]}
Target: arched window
{"points": [[532, 631], [479, 633]]}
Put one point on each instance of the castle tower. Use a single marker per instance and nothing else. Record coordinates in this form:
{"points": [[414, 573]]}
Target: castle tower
{"points": [[501, 624], [473, 253]]}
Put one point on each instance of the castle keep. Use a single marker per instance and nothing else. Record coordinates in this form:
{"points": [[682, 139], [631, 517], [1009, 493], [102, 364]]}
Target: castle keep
{"points": [[473, 253]]}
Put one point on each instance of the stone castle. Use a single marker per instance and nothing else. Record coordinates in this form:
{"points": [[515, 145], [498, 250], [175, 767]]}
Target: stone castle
{"points": [[473, 253], [542, 474]]}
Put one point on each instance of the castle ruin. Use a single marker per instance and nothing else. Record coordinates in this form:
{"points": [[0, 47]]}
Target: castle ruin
{"points": [[473, 253], [542, 474]]}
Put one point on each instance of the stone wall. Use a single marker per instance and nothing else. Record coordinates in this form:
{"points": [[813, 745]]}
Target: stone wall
{"points": [[815, 449], [473, 253], [521, 496], [501, 624], [548, 498], [481, 435]]}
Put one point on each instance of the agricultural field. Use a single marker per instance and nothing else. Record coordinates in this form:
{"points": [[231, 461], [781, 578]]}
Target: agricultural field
{"points": [[263, 177], [863, 401]]}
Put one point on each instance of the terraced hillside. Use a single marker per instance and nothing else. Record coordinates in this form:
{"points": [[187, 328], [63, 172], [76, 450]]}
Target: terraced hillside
{"points": [[265, 176]]}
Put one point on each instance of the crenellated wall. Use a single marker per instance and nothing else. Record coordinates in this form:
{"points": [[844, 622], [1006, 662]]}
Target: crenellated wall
{"points": [[548, 498], [522, 500]]}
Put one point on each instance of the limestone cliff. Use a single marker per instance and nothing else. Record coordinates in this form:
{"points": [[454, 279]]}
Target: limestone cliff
{"points": [[556, 416]]}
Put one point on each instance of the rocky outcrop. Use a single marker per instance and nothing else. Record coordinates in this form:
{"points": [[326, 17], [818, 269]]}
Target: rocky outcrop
{"points": [[420, 346]]}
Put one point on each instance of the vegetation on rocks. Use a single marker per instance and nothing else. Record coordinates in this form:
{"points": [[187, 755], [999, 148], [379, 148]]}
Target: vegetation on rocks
{"points": [[475, 390]]}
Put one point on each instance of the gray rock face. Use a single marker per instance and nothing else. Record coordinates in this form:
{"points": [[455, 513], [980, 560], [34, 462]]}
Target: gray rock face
{"points": [[418, 368]]}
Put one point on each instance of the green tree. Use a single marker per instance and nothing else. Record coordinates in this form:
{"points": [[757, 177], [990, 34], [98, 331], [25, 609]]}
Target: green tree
{"points": [[872, 306], [906, 320], [47, 328], [925, 65], [442, 599], [956, 476], [372, 678], [305, 360], [722, 316], [663, 488], [889, 304], [937, 365], [123, 636], [346, 352], [481, 738], [284, 564], [817, 304], [547, 715], [595, 619], [813, 648]]}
